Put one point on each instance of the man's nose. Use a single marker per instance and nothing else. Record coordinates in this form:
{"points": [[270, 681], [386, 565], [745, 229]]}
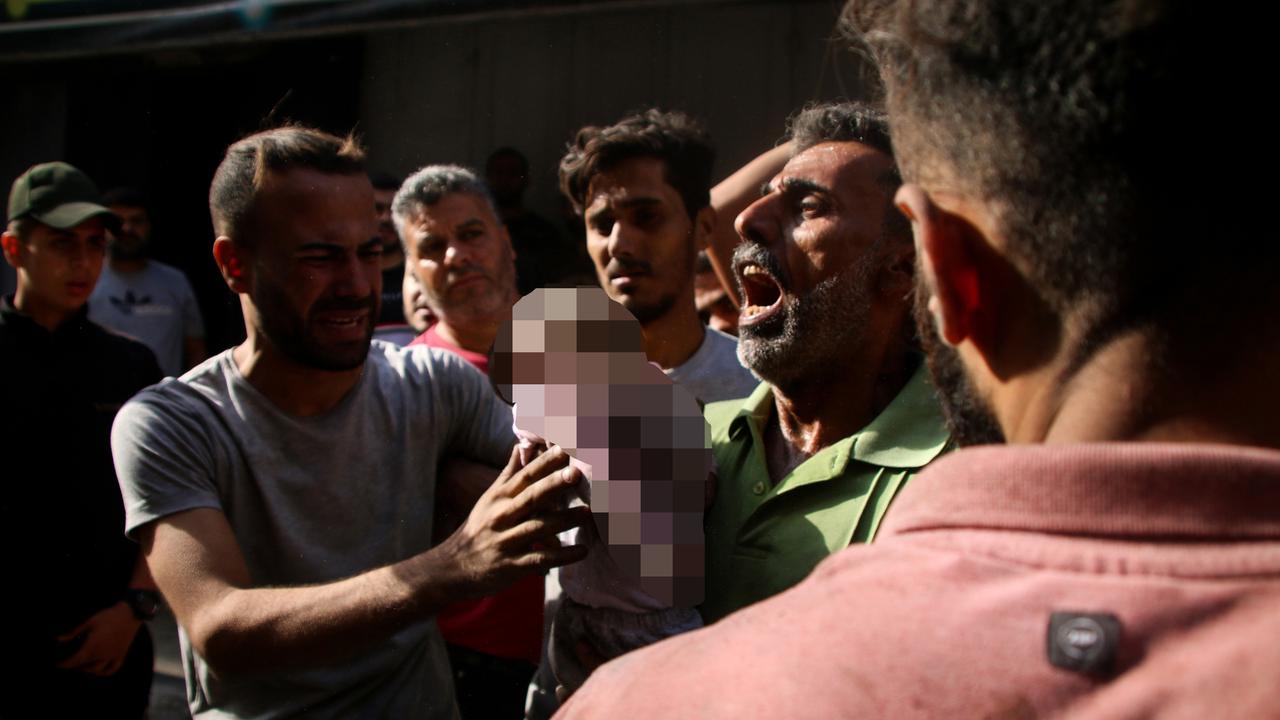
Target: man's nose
{"points": [[622, 241], [360, 278], [758, 223], [457, 255]]}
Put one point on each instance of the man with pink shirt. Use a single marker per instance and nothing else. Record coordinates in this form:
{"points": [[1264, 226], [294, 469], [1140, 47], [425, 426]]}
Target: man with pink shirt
{"points": [[461, 255], [1083, 294]]}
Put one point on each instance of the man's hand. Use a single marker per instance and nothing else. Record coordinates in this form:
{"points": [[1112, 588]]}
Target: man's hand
{"points": [[107, 635], [512, 530]]}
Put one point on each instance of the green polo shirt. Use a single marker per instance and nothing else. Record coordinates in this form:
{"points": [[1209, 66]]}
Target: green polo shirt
{"points": [[761, 538]]}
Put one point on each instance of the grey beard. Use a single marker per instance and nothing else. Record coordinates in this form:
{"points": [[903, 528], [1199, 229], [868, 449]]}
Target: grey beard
{"points": [[800, 344]]}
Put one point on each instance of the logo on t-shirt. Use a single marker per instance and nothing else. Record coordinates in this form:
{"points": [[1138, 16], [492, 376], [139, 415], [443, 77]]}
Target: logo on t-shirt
{"points": [[132, 304]]}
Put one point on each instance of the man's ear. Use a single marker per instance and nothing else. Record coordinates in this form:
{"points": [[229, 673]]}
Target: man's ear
{"points": [[233, 263], [951, 252], [704, 223], [10, 243], [897, 278]]}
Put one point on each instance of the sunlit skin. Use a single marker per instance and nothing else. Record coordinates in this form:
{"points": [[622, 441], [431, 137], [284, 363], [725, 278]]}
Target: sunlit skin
{"points": [[310, 269], [57, 269], [821, 214], [463, 259], [643, 244]]}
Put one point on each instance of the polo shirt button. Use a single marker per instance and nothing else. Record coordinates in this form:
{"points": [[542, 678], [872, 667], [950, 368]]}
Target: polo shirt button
{"points": [[758, 488]]}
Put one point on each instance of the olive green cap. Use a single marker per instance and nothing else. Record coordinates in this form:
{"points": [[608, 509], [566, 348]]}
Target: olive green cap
{"points": [[57, 195]]}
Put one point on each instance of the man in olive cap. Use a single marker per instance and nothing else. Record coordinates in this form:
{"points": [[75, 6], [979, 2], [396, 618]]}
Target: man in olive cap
{"points": [[78, 589]]}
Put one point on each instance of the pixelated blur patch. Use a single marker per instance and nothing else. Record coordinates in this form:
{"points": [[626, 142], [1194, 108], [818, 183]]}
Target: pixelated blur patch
{"points": [[1085, 643], [573, 361]]}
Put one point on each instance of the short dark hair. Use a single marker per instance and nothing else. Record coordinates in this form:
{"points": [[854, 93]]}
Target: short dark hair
{"points": [[675, 138], [247, 162], [1064, 117], [847, 121], [127, 197]]}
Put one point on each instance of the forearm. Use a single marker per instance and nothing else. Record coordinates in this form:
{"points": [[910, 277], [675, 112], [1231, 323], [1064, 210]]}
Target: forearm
{"points": [[730, 197], [245, 629], [238, 628]]}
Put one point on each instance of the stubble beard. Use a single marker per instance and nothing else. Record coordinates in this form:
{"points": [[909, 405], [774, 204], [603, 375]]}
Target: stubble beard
{"points": [[289, 331], [967, 415], [492, 307], [810, 333], [135, 248]]}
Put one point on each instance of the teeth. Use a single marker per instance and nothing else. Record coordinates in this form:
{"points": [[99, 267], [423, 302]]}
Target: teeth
{"points": [[753, 270]]}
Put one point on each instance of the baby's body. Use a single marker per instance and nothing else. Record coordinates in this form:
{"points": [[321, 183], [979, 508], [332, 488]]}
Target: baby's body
{"points": [[578, 379]]}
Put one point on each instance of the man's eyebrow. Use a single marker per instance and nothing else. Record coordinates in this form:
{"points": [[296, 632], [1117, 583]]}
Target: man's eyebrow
{"points": [[795, 185], [627, 203], [641, 201], [318, 247], [470, 223]]}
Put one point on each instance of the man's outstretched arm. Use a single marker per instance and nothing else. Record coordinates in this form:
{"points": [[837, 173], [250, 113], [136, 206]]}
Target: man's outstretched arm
{"points": [[236, 628]]}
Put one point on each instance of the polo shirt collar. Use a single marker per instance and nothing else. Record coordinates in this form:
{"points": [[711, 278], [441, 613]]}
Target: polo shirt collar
{"points": [[1161, 490], [908, 433]]}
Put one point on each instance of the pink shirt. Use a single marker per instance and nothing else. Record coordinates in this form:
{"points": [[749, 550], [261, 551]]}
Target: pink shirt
{"points": [[947, 614]]}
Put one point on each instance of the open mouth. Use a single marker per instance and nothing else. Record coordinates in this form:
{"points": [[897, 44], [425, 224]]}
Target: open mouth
{"points": [[761, 293], [345, 322]]}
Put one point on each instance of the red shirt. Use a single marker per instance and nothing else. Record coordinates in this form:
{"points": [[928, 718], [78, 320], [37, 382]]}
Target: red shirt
{"points": [[508, 624], [948, 613]]}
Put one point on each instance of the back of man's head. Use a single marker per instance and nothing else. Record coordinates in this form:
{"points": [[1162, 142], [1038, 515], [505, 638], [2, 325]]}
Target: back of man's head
{"points": [[673, 137], [249, 161], [1076, 122]]}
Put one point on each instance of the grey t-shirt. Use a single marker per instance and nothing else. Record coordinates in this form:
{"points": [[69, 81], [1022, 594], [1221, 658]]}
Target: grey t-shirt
{"points": [[714, 373], [312, 500], [155, 305]]}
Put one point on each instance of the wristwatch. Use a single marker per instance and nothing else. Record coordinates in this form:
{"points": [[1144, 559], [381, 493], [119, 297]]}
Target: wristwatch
{"points": [[144, 603]]}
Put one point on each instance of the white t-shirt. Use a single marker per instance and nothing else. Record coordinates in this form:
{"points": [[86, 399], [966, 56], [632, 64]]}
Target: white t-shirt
{"points": [[155, 306], [714, 372]]}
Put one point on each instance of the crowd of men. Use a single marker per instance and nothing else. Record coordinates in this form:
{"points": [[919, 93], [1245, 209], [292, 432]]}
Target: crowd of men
{"points": [[995, 437]]}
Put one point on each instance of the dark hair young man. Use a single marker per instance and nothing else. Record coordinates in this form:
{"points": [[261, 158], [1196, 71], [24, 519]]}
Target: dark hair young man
{"points": [[78, 590], [642, 187]]}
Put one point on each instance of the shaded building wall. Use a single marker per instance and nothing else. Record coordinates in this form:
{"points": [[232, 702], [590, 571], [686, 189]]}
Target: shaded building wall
{"points": [[454, 92]]}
